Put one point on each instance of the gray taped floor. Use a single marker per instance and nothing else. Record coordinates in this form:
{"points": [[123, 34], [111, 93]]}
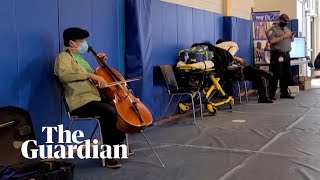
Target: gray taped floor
{"points": [[279, 141]]}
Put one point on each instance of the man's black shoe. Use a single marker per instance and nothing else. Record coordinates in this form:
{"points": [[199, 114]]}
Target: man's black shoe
{"points": [[264, 100], [113, 163], [287, 96]]}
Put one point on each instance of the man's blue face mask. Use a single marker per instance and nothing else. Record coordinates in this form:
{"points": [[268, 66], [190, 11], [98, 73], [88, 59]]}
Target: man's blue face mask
{"points": [[83, 48]]}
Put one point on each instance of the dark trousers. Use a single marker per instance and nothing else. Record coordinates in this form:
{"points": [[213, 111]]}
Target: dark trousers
{"points": [[258, 77], [280, 70], [108, 115]]}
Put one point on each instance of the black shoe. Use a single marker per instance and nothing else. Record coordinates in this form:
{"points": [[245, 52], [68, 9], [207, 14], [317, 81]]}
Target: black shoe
{"points": [[264, 100], [286, 96], [113, 163]]}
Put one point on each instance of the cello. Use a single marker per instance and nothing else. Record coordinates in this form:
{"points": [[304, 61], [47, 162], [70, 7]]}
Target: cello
{"points": [[132, 115]]}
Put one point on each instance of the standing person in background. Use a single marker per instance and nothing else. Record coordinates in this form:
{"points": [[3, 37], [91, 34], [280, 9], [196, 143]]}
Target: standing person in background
{"points": [[280, 38]]}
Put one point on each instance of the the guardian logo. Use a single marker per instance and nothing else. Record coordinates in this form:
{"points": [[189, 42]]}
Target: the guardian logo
{"points": [[68, 143]]}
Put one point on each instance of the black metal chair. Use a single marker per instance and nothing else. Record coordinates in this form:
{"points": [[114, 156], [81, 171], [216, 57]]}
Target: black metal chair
{"points": [[175, 90], [74, 118]]}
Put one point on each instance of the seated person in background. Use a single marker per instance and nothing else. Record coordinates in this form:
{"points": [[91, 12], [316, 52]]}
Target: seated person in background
{"points": [[250, 73], [79, 83]]}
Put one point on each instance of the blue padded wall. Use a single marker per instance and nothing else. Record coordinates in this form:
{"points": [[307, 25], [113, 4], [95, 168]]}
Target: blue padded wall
{"points": [[185, 26], [240, 31], [9, 86], [176, 27], [199, 26], [218, 27], [37, 45], [31, 32]]}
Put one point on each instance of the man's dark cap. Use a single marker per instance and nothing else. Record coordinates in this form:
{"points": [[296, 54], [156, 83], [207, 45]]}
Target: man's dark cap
{"points": [[74, 33], [284, 17]]}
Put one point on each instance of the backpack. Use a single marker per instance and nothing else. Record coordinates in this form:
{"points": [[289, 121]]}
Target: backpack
{"points": [[196, 53]]}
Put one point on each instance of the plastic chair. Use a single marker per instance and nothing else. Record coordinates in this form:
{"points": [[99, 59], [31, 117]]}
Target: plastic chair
{"points": [[174, 90], [73, 118]]}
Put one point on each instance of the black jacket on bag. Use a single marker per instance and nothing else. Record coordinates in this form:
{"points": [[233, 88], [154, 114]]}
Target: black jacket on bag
{"points": [[222, 59]]}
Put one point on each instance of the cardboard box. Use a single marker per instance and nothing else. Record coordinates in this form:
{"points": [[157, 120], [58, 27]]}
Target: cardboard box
{"points": [[317, 72], [294, 89], [304, 82]]}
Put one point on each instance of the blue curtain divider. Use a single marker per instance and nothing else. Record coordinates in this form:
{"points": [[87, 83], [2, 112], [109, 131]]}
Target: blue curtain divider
{"points": [[138, 48]]}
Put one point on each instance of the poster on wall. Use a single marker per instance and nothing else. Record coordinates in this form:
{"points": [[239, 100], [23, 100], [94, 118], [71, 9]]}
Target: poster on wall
{"points": [[262, 21]]}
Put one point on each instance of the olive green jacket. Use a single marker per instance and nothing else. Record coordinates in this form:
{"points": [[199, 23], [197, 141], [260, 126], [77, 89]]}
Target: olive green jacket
{"points": [[78, 89]]}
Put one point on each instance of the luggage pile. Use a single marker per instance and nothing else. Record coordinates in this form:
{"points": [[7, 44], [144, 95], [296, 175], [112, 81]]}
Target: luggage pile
{"points": [[16, 128]]}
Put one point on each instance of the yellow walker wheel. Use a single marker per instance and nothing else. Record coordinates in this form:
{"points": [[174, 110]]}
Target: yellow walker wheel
{"points": [[183, 108], [212, 110], [231, 104]]}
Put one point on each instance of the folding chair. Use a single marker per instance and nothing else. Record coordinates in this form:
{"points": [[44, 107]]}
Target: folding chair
{"points": [[239, 90], [76, 118], [174, 90]]}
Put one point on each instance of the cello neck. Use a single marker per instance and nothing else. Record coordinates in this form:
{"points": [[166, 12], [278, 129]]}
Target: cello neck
{"points": [[103, 64], [96, 56]]}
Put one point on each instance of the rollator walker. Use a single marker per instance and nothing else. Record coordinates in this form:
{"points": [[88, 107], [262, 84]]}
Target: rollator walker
{"points": [[209, 86]]}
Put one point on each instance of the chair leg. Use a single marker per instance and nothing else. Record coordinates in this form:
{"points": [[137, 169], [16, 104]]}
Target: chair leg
{"points": [[101, 139], [175, 106], [166, 107], [245, 87], [239, 92], [200, 105], [193, 109], [70, 125], [145, 137], [127, 143], [95, 129]]}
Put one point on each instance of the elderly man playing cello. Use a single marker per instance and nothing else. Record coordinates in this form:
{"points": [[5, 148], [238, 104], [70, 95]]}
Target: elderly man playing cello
{"points": [[79, 83]]}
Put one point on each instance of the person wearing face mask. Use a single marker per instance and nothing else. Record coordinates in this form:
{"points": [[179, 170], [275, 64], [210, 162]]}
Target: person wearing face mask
{"points": [[80, 87], [280, 38]]}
